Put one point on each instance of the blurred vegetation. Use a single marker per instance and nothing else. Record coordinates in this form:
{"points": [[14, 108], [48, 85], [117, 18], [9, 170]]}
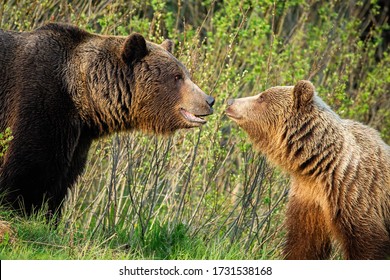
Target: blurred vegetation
{"points": [[204, 193], [5, 138]]}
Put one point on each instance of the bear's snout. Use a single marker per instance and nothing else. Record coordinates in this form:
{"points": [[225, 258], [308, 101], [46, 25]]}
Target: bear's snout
{"points": [[231, 111]]}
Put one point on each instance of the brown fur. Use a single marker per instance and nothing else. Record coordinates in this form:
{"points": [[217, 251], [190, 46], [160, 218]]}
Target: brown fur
{"points": [[102, 82], [340, 172], [62, 87]]}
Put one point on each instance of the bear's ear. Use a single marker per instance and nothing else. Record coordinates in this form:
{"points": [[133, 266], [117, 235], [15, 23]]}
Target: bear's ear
{"points": [[134, 48], [303, 93], [168, 45]]}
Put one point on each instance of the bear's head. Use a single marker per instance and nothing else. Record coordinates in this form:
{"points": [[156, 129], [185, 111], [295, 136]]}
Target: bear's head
{"points": [[165, 97], [137, 84], [274, 117]]}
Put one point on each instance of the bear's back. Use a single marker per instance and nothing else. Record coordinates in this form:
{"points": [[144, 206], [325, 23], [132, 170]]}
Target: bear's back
{"points": [[48, 40], [33, 61], [9, 47], [372, 159], [368, 140]]}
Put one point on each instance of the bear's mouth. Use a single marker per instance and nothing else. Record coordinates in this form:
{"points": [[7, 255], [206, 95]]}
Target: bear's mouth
{"points": [[232, 115], [192, 118]]}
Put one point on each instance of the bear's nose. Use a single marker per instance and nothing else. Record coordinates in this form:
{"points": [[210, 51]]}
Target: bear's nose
{"points": [[210, 100], [230, 102]]}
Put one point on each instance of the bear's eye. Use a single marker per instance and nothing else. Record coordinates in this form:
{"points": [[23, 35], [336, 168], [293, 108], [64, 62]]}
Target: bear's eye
{"points": [[178, 77], [261, 98]]}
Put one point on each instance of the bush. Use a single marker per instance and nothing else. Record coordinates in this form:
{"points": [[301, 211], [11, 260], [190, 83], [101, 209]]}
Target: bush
{"points": [[5, 138]]}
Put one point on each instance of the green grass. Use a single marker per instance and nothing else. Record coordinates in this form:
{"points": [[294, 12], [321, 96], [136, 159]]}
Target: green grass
{"points": [[34, 238], [204, 193]]}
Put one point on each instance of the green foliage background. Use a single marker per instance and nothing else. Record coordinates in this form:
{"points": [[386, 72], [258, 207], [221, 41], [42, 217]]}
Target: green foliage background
{"points": [[204, 193]]}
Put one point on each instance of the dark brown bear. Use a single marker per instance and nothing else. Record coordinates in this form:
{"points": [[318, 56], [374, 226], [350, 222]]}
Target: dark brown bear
{"points": [[62, 87]]}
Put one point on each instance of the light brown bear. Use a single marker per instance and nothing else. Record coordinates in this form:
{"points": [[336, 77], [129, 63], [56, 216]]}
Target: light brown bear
{"points": [[340, 172]]}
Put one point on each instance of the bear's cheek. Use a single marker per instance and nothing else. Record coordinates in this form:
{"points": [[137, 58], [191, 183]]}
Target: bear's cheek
{"points": [[193, 105], [192, 100], [256, 122], [250, 123], [253, 114]]}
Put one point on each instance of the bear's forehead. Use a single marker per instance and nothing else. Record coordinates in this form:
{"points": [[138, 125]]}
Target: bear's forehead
{"points": [[165, 57], [282, 88], [279, 89], [154, 47], [161, 52]]}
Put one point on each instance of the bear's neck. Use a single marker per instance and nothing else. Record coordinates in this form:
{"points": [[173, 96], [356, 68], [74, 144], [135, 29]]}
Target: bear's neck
{"points": [[309, 148], [101, 87]]}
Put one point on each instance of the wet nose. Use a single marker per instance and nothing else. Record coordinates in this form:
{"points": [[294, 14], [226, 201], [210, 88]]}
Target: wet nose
{"points": [[230, 102], [210, 100]]}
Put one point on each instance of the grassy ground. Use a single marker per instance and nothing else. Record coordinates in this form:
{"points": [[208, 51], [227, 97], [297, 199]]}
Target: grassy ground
{"points": [[204, 193], [37, 240]]}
